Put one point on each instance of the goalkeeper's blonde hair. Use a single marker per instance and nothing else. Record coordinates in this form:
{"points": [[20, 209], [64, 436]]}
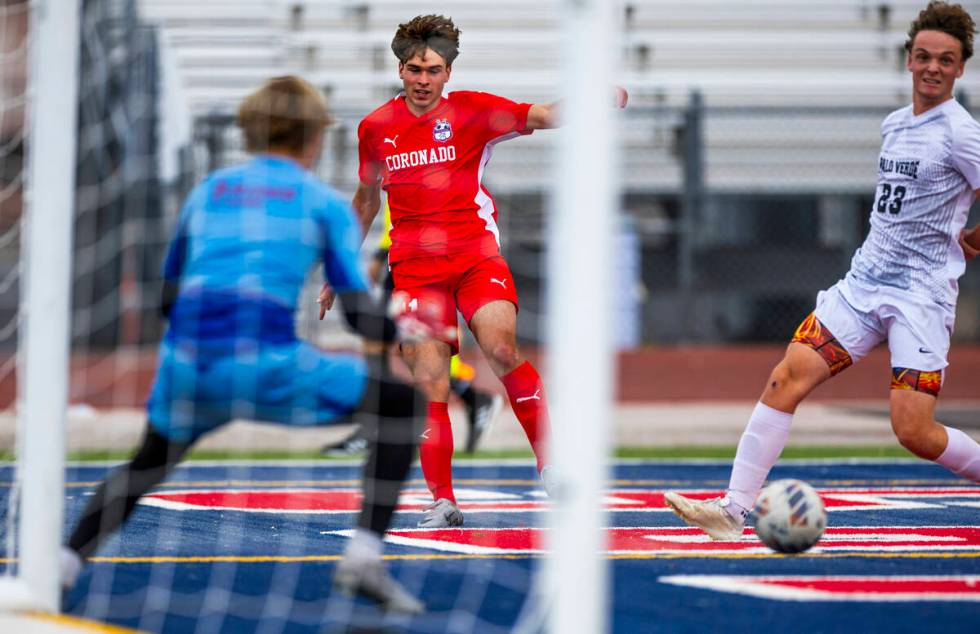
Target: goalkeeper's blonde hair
{"points": [[284, 115]]}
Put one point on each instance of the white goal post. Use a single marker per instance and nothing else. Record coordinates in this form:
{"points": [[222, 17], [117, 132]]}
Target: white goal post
{"points": [[43, 318], [579, 332]]}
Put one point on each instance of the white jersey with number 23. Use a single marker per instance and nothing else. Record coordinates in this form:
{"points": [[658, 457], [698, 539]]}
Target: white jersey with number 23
{"points": [[928, 171]]}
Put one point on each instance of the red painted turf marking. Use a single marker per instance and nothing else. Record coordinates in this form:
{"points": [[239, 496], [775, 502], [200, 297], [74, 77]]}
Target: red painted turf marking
{"points": [[478, 500], [689, 540]]}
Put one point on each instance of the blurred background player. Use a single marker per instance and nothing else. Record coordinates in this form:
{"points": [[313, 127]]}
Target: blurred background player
{"points": [[902, 285], [246, 238], [481, 406]]}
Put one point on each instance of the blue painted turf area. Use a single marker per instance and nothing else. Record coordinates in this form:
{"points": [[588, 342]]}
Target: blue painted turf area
{"points": [[221, 570]]}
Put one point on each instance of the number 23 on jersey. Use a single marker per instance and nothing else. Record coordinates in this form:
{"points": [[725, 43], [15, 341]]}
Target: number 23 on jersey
{"points": [[890, 198]]}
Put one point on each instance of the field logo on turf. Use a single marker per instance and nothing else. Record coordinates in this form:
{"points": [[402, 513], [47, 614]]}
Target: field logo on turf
{"points": [[474, 500]]}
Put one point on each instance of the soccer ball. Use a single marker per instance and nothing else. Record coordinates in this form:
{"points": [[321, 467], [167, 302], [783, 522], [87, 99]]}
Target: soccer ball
{"points": [[789, 516]]}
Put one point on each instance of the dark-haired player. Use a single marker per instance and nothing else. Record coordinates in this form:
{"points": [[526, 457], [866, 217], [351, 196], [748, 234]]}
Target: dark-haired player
{"points": [[428, 149]]}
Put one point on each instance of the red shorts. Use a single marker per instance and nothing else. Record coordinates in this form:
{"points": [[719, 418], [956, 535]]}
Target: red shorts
{"points": [[461, 281]]}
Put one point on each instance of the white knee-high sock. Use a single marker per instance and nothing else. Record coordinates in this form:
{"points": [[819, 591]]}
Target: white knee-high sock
{"points": [[961, 456], [759, 448]]}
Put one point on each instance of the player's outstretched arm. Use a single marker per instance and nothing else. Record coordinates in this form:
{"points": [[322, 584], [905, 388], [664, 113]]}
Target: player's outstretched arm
{"points": [[542, 116], [970, 239], [366, 203], [970, 242], [546, 116]]}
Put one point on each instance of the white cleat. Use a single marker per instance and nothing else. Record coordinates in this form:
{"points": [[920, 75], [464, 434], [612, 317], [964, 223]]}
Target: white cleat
{"points": [[70, 565], [441, 514], [372, 580], [550, 481], [708, 515]]}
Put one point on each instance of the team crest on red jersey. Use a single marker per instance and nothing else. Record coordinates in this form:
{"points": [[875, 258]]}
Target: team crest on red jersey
{"points": [[442, 131]]}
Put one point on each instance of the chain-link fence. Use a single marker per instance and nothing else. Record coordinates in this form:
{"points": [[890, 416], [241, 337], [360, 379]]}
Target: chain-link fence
{"points": [[120, 222], [732, 217]]}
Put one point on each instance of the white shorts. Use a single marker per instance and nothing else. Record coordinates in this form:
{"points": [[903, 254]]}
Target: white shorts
{"points": [[918, 330]]}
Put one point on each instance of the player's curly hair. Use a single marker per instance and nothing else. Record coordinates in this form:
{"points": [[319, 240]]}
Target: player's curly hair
{"points": [[434, 32], [283, 114], [951, 19]]}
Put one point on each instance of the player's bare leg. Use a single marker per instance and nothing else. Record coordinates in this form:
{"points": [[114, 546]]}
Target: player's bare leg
{"points": [[914, 423], [495, 327], [429, 363], [799, 373], [913, 405], [802, 369]]}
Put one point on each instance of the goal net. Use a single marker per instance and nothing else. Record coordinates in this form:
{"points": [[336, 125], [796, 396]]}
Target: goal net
{"points": [[83, 232], [246, 533], [746, 180], [36, 199]]}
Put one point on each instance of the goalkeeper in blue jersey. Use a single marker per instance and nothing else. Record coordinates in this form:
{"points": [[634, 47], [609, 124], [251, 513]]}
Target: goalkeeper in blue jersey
{"points": [[245, 240]]}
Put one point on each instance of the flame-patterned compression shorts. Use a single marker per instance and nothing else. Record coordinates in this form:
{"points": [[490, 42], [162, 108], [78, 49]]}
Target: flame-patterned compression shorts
{"points": [[851, 319]]}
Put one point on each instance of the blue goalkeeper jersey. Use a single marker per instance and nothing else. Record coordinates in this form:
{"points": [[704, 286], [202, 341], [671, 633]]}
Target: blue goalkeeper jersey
{"points": [[245, 240]]}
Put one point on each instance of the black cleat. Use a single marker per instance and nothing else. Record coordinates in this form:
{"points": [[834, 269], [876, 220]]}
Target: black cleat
{"points": [[353, 446], [482, 409]]}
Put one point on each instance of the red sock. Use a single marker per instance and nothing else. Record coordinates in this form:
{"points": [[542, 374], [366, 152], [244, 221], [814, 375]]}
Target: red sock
{"points": [[436, 452], [523, 385]]}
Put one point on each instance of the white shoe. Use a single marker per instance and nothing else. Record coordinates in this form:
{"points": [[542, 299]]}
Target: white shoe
{"points": [[441, 514], [550, 481], [372, 580], [71, 565], [708, 515]]}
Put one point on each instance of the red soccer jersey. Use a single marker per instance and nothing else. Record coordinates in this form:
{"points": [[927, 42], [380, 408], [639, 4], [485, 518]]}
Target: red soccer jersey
{"points": [[432, 167]]}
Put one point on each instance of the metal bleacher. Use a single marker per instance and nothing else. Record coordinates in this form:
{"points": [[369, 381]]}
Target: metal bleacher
{"points": [[790, 54], [793, 94], [751, 53], [793, 54]]}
